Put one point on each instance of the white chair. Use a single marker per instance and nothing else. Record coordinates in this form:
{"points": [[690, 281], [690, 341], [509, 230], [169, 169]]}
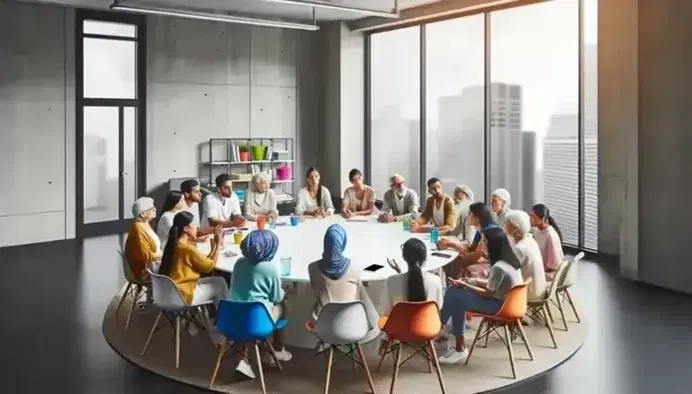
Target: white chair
{"points": [[564, 283], [342, 327], [135, 289], [539, 310], [172, 306]]}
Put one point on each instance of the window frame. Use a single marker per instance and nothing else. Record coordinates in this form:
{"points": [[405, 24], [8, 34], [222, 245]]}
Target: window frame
{"points": [[580, 42]]}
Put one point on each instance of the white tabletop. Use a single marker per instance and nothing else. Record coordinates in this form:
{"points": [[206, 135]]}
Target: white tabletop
{"points": [[368, 242]]}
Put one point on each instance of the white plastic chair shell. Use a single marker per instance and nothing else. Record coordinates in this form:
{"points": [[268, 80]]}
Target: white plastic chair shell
{"points": [[342, 323], [569, 277], [166, 294]]}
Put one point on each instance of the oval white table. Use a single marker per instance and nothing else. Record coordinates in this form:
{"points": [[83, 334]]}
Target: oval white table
{"points": [[368, 242]]}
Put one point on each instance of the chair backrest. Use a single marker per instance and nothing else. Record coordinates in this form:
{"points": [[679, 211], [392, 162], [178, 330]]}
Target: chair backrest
{"points": [[556, 278], [244, 321], [414, 321], [166, 293], [514, 306], [342, 323], [569, 277], [127, 270]]}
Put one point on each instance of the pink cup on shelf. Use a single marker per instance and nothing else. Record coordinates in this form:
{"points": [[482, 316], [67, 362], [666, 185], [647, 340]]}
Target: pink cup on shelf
{"points": [[284, 173]]}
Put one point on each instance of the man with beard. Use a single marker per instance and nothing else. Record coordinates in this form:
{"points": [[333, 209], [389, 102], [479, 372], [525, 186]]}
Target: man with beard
{"points": [[399, 202], [438, 212], [463, 198], [223, 206]]}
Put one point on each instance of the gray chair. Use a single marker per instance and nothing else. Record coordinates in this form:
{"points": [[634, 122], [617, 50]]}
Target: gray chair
{"points": [[136, 289], [172, 306], [342, 326], [564, 283]]}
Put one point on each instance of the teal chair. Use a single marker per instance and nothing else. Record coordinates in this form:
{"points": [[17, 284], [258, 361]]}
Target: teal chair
{"points": [[246, 324]]}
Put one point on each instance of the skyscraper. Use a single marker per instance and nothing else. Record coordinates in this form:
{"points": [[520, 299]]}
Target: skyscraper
{"points": [[561, 174], [528, 170], [506, 140]]}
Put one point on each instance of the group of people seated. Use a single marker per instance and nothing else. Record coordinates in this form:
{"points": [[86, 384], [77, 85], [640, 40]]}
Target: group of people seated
{"points": [[498, 248]]}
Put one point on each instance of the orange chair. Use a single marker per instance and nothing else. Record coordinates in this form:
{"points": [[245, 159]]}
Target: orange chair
{"points": [[509, 318], [414, 325]]}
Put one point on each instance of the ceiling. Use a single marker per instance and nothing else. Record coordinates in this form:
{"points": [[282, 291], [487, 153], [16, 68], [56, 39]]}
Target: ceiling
{"points": [[258, 7]]}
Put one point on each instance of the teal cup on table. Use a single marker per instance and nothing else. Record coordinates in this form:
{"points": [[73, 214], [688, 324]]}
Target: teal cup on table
{"points": [[285, 266], [294, 221]]}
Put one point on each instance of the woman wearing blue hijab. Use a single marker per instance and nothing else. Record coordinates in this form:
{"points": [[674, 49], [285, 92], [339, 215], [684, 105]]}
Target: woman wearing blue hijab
{"points": [[256, 279], [335, 279]]}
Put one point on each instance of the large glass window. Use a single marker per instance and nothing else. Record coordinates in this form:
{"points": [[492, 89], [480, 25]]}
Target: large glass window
{"points": [[395, 108], [534, 118], [514, 85], [455, 103], [590, 119]]}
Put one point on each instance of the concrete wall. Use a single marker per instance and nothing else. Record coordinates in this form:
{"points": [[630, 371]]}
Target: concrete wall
{"points": [[343, 139], [644, 142], [665, 143], [218, 80], [37, 158], [204, 80]]}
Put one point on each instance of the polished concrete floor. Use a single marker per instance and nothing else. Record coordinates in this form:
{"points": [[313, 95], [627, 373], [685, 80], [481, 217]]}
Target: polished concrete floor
{"points": [[53, 297]]}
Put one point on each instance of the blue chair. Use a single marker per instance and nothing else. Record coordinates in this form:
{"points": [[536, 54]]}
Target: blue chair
{"points": [[245, 324]]}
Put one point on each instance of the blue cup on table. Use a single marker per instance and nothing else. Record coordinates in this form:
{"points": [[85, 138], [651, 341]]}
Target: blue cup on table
{"points": [[285, 266], [294, 221], [434, 236]]}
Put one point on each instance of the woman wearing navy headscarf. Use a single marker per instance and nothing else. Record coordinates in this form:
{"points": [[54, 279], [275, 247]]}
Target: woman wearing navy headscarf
{"points": [[256, 279], [335, 279]]}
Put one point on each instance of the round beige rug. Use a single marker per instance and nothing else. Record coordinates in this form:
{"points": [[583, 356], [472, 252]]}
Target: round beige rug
{"points": [[488, 369]]}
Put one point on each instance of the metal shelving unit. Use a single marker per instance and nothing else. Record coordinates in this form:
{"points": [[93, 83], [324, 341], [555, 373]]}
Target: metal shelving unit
{"points": [[224, 156]]}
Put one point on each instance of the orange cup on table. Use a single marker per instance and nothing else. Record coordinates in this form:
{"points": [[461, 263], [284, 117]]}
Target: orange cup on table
{"points": [[261, 222]]}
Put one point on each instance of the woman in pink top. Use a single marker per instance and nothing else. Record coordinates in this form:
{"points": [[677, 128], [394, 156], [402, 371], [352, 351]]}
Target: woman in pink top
{"points": [[359, 199], [548, 237]]}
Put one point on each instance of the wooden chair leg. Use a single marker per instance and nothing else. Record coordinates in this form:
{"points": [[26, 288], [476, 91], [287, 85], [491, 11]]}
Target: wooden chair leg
{"points": [[571, 302], [524, 338], [397, 360], [428, 356], [122, 299], [484, 323], [361, 354], [177, 341], [510, 350], [352, 351], [259, 367], [151, 332], [330, 359], [549, 312], [487, 333], [136, 291], [272, 353], [549, 325], [219, 358], [384, 354], [562, 312], [433, 353]]}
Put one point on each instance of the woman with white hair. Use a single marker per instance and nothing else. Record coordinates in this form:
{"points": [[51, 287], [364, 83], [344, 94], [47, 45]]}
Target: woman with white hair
{"points": [[501, 200], [260, 199], [143, 247], [517, 226], [463, 198]]}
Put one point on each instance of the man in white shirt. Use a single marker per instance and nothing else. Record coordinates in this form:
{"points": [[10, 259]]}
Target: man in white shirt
{"points": [[193, 195], [223, 206]]}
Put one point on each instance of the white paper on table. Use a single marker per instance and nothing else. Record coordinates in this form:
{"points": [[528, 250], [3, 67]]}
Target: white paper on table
{"points": [[358, 219]]}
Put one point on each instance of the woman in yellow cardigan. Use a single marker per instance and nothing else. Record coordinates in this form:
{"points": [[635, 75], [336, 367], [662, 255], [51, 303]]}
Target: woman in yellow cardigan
{"points": [[185, 264], [438, 212], [143, 247]]}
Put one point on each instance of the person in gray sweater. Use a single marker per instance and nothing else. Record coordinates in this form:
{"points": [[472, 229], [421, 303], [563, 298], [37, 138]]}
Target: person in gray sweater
{"points": [[399, 202]]}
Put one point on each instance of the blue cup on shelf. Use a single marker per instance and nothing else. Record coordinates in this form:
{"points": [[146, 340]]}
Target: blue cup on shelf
{"points": [[294, 221], [285, 266], [434, 236]]}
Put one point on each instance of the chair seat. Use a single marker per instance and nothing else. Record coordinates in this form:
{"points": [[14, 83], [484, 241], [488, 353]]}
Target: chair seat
{"points": [[280, 324]]}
